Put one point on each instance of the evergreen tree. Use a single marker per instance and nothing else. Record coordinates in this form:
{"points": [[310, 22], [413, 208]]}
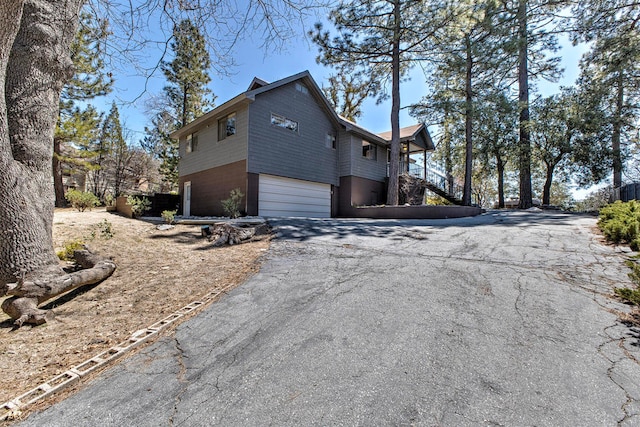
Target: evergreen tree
{"points": [[108, 170], [497, 135], [88, 81], [532, 37], [611, 69], [187, 96], [553, 130], [382, 38]]}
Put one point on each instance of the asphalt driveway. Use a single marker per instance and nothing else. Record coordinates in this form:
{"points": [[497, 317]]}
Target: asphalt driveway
{"points": [[498, 320]]}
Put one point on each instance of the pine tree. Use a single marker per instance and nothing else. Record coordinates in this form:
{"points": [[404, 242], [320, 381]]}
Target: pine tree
{"points": [[611, 69], [382, 38], [187, 95], [88, 81]]}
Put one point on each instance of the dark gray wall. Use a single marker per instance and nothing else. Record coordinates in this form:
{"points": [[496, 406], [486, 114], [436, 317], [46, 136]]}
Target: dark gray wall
{"points": [[278, 151]]}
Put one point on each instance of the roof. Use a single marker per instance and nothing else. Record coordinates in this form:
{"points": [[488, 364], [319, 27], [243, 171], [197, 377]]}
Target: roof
{"points": [[259, 86], [411, 134]]}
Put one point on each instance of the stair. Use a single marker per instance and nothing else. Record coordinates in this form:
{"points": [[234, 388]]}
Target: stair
{"points": [[440, 192]]}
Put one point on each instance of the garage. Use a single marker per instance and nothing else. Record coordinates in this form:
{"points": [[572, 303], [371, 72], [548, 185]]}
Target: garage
{"points": [[279, 196]]}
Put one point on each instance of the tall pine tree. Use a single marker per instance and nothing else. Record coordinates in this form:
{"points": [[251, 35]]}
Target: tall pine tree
{"points": [[383, 38], [186, 93], [611, 69], [89, 80]]}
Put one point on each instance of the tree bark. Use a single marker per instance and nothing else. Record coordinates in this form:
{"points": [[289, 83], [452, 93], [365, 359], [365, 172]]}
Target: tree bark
{"points": [[526, 196], [500, 164], [34, 64], [58, 184], [617, 132], [22, 307], [394, 162], [468, 168], [546, 192]]}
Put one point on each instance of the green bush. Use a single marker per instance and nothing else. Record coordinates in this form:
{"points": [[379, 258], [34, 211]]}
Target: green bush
{"points": [[139, 205], [231, 206], [82, 200], [66, 254], [168, 216], [620, 223], [631, 295], [105, 228]]}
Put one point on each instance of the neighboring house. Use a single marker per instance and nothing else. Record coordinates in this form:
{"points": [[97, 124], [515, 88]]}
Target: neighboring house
{"points": [[289, 153]]}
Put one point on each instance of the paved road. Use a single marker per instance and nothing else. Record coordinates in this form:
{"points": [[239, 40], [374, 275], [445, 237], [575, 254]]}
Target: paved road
{"points": [[498, 320]]}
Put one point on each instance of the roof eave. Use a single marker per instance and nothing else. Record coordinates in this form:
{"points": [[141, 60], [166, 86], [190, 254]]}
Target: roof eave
{"points": [[213, 114]]}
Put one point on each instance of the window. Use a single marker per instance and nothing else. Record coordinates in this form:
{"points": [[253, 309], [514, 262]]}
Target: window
{"points": [[192, 142], [283, 122], [302, 88], [330, 141], [369, 150], [227, 126]]}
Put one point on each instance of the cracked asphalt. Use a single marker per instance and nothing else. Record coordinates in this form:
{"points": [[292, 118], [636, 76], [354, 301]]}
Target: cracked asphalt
{"points": [[501, 320]]}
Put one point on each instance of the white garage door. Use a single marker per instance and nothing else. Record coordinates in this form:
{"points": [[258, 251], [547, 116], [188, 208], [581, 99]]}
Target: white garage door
{"points": [[279, 196]]}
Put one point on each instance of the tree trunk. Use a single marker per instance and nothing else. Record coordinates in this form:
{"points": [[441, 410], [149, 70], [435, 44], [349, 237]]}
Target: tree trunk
{"points": [[394, 162], [546, 192], [448, 161], [58, 184], [500, 165], [34, 64], [617, 132], [468, 167], [526, 196], [27, 295]]}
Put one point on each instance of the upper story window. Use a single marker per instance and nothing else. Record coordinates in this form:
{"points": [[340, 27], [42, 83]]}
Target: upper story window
{"points": [[283, 122], [227, 126], [302, 88], [369, 150], [330, 141], [192, 142]]}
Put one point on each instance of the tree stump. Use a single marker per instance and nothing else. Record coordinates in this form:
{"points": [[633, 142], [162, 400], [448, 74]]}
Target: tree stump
{"points": [[233, 234]]}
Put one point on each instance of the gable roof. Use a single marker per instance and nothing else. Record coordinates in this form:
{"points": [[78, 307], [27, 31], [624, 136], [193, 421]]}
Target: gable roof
{"points": [[412, 134], [259, 86]]}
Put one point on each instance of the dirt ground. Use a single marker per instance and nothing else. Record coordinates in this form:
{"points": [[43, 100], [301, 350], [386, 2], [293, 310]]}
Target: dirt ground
{"points": [[158, 272]]}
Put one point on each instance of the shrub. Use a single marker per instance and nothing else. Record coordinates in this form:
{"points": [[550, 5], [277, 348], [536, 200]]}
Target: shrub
{"points": [[82, 200], [620, 223], [105, 228], [631, 295], [168, 216], [139, 205], [231, 206], [66, 254], [109, 200]]}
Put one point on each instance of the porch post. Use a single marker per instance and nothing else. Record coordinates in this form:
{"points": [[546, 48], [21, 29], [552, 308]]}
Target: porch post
{"points": [[408, 153], [424, 164]]}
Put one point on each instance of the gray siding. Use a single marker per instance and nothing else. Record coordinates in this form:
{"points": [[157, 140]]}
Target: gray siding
{"points": [[210, 152], [344, 153], [367, 168], [282, 152]]}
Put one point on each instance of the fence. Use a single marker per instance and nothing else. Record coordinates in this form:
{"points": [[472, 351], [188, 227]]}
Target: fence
{"points": [[626, 192]]}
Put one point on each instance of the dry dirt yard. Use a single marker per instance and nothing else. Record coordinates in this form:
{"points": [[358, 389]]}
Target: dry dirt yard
{"points": [[158, 272]]}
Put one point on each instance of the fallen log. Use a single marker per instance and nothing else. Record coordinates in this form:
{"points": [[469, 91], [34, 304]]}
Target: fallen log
{"points": [[232, 234]]}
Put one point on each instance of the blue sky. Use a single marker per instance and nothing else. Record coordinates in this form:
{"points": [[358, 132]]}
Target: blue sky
{"points": [[299, 55]]}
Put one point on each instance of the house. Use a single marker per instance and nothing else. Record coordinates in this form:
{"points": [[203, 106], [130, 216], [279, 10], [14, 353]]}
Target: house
{"points": [[289, 152]]}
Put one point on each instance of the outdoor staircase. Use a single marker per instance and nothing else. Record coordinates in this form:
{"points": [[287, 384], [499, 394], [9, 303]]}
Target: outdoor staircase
{"points": [[437, 183]]}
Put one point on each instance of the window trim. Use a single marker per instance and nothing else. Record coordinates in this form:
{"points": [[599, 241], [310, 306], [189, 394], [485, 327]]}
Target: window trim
{"points": [[223, 126], [283, 121], [370, 147], [334, 140], [191, 142]]}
